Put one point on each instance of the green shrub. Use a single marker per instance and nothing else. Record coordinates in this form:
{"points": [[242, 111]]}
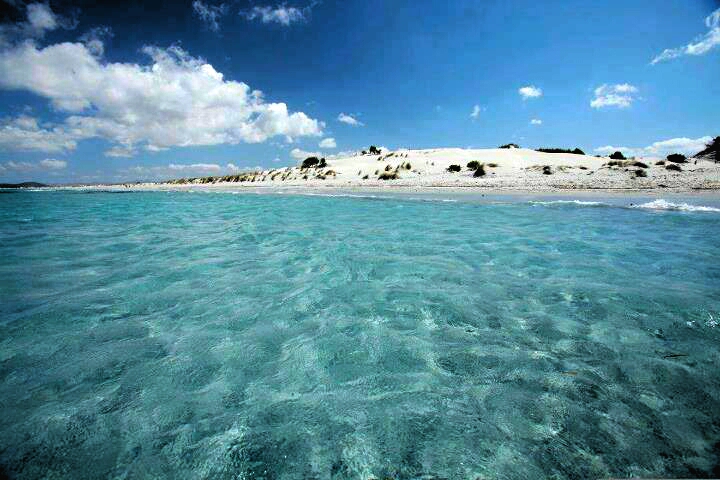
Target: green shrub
{"points": [[473, 165], [660, 162], [676, 158], [365, 177], [640, 173], [673, 167], [546, 170], [576, 151], [617, 156], [389, 176], [310, 162], [408, 166], [454, 168], [479, 171], [373, 150], [639, 164], [509, 145]]}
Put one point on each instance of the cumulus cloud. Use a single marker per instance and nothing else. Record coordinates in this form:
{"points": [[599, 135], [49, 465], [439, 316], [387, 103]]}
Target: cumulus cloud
{"points": [[621, 95], [25, 133], [175, 170], [210, 14], [299, 154], [700, 46], [475, 112], [281, 14], [48, 164], [350, 120], [40, 19], [684, 145], [176, 100], [53, 164], [530, 91], [535, 121], [94, 40], [327, 143]]}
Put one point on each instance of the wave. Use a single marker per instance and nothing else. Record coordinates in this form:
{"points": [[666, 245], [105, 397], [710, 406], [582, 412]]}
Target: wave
{"points": [[573, 202], [682, 207]]}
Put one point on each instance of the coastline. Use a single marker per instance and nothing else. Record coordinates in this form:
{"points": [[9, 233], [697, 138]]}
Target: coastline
{"points": [[504, 171]]}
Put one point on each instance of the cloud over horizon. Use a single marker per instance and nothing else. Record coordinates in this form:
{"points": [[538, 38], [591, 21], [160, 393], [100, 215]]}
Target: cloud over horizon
{"points": [[684, 145], [175, 100], [702, 44]]}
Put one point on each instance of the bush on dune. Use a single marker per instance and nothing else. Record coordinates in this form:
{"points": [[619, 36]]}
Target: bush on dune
{"points": [[676, 158], [310, 162], [710, 151], [576, 151], [674, 167], [454, 168], [509, 145], [617, 156], [389, 176], [473, 165], [479, 171]]}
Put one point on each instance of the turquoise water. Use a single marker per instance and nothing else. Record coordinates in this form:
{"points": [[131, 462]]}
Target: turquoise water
{"points": [[189, 335]]}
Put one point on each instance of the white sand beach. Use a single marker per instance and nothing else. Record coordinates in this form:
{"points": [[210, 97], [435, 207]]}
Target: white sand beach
{"points": [[514, 169]]}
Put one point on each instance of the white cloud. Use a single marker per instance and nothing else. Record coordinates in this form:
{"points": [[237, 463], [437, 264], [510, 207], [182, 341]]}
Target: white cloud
{"points": [[196, 167], [281, 14], [40, 19], [24, 133], [327, 143], [48, 164], [52, 164], [350, 120], [120, 152], [94, 40], [299, 154], [535, 121], [175, 170], [701, 45], [684, 145], [530, 91], [475, 112], [232, 167], [210, 14], [174, 101], [620, 95]]}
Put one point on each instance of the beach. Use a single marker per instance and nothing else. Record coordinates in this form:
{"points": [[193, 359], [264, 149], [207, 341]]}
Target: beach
{"points": [[521, 170]]}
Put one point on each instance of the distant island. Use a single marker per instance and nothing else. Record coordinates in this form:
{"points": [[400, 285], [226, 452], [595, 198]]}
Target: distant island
{"points": [[23, 185]]}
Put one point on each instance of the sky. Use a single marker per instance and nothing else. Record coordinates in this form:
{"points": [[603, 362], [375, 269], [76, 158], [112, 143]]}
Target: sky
{"points": [[111, 92]]}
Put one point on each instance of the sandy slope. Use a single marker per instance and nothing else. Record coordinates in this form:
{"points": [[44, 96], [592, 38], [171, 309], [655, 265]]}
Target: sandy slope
{"points": [[517, 169]]}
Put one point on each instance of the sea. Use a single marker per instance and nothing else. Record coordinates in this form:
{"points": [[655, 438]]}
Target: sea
{"points": [[282, 335]]}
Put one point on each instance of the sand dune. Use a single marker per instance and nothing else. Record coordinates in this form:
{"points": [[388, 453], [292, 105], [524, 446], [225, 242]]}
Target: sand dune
{"points": [[505, 169]]}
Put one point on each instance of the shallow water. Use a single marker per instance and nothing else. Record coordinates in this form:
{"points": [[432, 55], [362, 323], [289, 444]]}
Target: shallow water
{"points": [[180, 335]]}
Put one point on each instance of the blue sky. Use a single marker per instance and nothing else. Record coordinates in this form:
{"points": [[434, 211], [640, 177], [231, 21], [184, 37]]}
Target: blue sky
{"points": [[117, 92]]}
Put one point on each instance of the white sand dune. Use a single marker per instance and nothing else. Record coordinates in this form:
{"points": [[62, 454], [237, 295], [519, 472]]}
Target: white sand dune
{"points": [[506, 169]]}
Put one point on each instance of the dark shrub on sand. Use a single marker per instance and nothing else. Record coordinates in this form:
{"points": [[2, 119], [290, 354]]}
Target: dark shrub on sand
{"points": [[310, 162], [454, 168], [640, 173], [617, 156], [365, 177], [479, 171], [373, 150], [639, 164], [408, 166], [677, 158], [710, 151], [547, 170], [673, 167], [492, 165], [509, 145], [389, 176], [473, 165], [660, 162]]}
